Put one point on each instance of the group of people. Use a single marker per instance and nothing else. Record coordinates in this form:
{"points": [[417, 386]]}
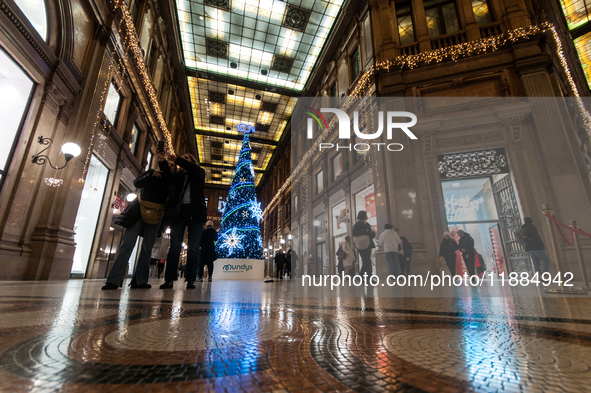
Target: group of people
{"points": [[283, 263], [533, 244], [397, 249], [173, 197]]}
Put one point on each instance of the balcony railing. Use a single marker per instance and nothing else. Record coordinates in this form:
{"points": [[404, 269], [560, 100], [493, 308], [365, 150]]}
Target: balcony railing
{"points": [[448, 40], [491, 30], [412, 49]]}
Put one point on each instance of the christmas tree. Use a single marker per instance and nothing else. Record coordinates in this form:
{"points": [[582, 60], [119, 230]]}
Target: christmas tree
{"points": [[239, 235]]}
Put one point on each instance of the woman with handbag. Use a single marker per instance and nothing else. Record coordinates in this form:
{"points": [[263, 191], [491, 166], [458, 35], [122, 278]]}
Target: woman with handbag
{"points": [[350, 258], [363, 237], [189, 203], [150, 204]]}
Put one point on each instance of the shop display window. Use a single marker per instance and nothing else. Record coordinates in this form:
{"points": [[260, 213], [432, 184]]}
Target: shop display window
{"points": [[88, 213], [135, 136], [366, 200]]}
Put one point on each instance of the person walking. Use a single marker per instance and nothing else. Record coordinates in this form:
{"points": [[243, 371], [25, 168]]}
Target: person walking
{"points": [[161, 263], [447, 250], [534, 246], [279, 263], [160, 250], [154, 187], [350, 259], [390, 242], [363, 237], [189, 183], [405, 257], [208, 255], [288, 262], [294, 262], [466, 246]]}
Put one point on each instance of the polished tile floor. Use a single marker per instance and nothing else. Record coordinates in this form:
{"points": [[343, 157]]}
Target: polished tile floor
{"points": [[275, 337]]}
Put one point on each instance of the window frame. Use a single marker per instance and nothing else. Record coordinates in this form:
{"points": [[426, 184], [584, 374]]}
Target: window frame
{"points": [[351, 56], [441, 18], [412, 19], [119, 103], [4, 170]]}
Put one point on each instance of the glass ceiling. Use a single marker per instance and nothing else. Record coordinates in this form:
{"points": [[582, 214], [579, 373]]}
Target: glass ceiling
{"points": [[268, 41], [268, 44], [218, 108]]}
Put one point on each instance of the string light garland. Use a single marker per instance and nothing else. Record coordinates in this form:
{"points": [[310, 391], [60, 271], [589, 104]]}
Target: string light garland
{"points": [[453, 53], [131, 44]]}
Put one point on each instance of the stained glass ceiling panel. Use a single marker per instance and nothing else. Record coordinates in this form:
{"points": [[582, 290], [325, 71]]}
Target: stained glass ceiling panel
{"points": [[271, 42]]}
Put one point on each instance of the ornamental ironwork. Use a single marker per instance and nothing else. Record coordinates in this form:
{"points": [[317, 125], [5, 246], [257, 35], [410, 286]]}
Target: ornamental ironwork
{"points": [[281, 64], [296, 18], [217, 48], [476, 163], [222, 4]]}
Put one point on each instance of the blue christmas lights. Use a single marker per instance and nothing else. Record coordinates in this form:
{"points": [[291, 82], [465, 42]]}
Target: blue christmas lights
{"points": [[240, 234]]}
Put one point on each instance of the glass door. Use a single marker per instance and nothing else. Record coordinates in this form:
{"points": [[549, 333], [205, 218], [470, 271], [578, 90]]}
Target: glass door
{"points": [[470, 206]]}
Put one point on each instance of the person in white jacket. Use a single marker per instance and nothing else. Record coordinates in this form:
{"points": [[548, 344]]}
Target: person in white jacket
{"points": [[350, 259], [390, 242]]}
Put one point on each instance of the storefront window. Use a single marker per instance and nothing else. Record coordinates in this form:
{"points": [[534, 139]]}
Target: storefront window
{"points": [[88, 213], [34, 10], [340, 221], [366, 200], [320, 232], [15, 90], [112, 104], [337, 166]]}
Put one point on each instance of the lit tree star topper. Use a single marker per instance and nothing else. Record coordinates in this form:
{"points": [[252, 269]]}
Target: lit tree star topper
{"points": [[240, 234]]}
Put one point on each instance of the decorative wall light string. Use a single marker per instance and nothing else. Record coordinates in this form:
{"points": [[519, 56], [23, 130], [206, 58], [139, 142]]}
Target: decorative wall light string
{"points": [[455, 52], [131, 44]]}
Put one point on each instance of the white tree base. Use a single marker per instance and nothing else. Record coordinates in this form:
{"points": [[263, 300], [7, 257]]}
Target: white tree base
{"points": [[238, 269]]}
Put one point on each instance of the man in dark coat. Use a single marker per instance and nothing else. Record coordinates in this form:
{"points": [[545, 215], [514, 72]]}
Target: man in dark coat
{"points": [[155, 189], [534, 245], [466, 246], [208, 255], [447, 250], [361, 229], [279, 263], [189, 183]]}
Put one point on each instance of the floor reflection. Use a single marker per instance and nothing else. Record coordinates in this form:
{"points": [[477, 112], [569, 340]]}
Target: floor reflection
{"points": [[242, 336]]}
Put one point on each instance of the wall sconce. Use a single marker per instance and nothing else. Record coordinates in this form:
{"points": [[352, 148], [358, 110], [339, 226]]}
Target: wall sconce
{"points": [[282, 241], [69, 149], [131, 196], [316, 223], [289, 237]]}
